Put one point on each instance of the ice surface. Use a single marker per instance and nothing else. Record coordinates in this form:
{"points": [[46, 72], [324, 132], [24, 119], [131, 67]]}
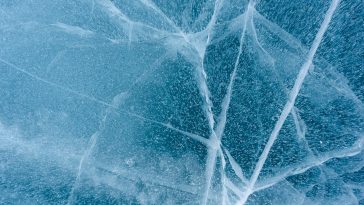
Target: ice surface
{"points": [[181, 102]]}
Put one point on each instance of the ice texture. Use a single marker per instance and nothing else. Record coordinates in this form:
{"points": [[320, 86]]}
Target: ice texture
{"points": [[182, 102]]}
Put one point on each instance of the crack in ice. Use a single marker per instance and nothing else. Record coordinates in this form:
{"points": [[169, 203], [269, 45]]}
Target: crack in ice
{"points": [[224, 180], [218, 131], [205, 93], [93, 99], [131, 26], [290, 103], [356, 149]]}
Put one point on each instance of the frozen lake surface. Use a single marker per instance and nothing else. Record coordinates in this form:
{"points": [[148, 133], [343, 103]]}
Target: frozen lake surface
{"points": [[182, 102]]}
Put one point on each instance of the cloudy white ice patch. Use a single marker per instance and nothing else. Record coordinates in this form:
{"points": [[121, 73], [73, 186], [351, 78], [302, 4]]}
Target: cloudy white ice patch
{"points": [[181, 102]]}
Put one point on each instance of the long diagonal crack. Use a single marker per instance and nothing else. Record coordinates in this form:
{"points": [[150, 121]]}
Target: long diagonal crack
{"points": [[205, 93], [93, 99], [116, 102], [214, 142], [291, 101], [227, 99], [216, 136], [109, 105]]}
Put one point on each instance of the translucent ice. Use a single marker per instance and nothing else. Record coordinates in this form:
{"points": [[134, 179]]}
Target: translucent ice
{"points": [[181, 102]]}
